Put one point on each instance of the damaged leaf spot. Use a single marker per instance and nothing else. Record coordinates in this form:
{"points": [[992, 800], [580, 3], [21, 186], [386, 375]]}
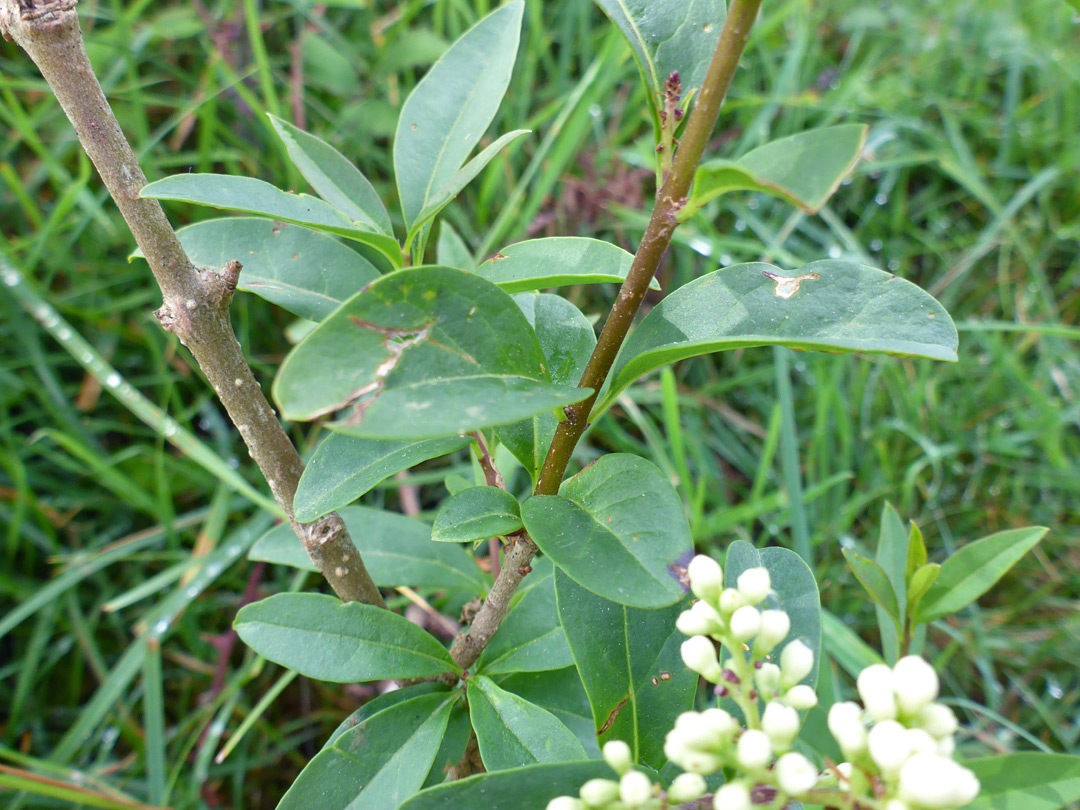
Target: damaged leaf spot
{"points": [[611, 718], [395, 341], [787, 287]]}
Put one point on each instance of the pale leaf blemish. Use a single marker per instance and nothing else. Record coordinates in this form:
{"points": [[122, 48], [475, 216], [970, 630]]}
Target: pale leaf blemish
{"points": [[787, 287], [395, 341]]}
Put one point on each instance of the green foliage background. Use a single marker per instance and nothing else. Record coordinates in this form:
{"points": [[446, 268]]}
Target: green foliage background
{"points": [[971, 193]]}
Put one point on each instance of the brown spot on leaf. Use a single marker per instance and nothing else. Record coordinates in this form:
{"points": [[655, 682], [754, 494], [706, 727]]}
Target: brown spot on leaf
{"points": [[611, 718]]}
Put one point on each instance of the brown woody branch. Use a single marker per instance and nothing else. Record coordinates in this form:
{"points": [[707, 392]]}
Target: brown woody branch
{"points": [[195, 301]]}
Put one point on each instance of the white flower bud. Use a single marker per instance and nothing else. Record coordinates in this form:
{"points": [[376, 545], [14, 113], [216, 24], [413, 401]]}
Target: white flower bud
{"points": [[897, 804], [697, 731], [706, 577], [730, 601], [801, 697], [846, 726], [745, 622], [781, 724], [796, 662], [795, 774], [915, 684], [721, 725], [936, 783], [686, 787], [946, 746], [754, 751], [565, 803], [675, 748], [889, 746], [754, 585], [699, 654], [921, 742], [938, 719], [767, 678], [845, 769], [599, 792], [775, 626], [635, 788], [617, 755], [875, 687], [700, 762], [700, 620], [732, 796]]}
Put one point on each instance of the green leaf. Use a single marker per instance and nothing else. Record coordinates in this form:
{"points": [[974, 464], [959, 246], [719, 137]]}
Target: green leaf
{"points": [[397, 551], [804, 169], [455, 740], [422, 353], [462, 177], [252, 196], [450, 109], [916, 550], [511, 732], [567, 339], [345, 467], [795, 588], [528, 788], [1026, 781], [845, 647], [921, 581], [323, 638], [334, 177], [836, 307], [561, 693], [451, 250], [530, 638], [477, 514], [630, 664], [973, 570], [557, 262], [383, 702], [876, 582], [617, 528], [892, 556], [303, 271], [354, 772], [669, 35]]}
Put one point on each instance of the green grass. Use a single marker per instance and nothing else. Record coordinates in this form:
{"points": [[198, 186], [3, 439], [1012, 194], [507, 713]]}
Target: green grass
{"points": [[110, 611]]}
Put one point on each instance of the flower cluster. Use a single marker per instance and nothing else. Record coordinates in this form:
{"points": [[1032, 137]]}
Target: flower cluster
{"points": [[633, 791], [899, 743]]}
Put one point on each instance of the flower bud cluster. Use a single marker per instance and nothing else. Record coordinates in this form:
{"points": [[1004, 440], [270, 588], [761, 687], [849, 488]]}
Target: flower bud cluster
{"points": [[902, 739]]}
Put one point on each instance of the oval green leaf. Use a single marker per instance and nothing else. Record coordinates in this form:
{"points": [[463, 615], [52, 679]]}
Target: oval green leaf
{"points": [[973, 570], [528, 788], [617, 528], [477, 514], [1028, 780], [530, 638], [301, 270], [876, 582], [397, 551], [558, 261], [343, 468], [252, 196], [561, 693], [669, 35], [511, 732], [353, 772], [805, 169], [422, 353], [630, 664], [323, 638], [568, 340], [830, 306], [450, 109], [334, 177], [795, 588]]}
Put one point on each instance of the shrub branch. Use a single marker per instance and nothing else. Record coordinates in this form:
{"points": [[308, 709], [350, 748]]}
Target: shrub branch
{"points": [[195, 301]]}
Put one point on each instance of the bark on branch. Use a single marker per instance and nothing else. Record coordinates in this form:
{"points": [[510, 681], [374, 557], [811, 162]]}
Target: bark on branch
{"points": [[195, 301]]}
